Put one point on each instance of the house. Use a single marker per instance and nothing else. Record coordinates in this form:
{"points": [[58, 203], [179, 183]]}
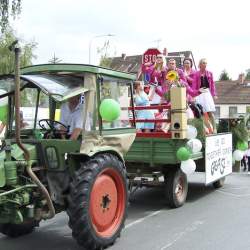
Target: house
{"points": [[233, 98], [132, 64]]}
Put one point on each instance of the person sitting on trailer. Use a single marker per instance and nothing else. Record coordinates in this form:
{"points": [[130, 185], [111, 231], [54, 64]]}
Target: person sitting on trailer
{"points": [[142, 99]]}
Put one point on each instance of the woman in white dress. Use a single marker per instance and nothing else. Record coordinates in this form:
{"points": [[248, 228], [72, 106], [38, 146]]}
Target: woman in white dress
{"points": [[204, 87]]}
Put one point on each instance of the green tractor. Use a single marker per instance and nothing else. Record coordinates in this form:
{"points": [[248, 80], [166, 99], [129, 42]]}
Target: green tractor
{"points": [[42, 174]]}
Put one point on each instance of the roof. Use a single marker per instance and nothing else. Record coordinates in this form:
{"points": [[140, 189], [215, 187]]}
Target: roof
{"points": [[59, 87], [231, 92], [75, 68], [132, 64]]}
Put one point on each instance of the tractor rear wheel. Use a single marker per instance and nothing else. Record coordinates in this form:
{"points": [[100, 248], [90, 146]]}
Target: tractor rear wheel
{"points": [[16, 230], [98, 201], [176, 187]]}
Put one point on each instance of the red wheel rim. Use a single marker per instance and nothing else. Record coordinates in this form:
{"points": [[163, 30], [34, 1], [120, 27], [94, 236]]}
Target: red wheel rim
{"points": [[107, 202]]}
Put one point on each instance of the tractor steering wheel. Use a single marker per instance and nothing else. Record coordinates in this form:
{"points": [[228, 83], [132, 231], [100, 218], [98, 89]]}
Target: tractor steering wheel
{"points": [[52, 128]]}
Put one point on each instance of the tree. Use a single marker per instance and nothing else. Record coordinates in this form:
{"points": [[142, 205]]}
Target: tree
{"points": [[105, 60], [8, 8], [54, 59], [7, 57], [224, 76], [247, 74]]}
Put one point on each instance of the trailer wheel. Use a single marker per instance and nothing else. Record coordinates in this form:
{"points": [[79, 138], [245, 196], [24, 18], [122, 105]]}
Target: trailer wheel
{"points": [[98, 201], [16, 230], [219, 183], [176, 187]]}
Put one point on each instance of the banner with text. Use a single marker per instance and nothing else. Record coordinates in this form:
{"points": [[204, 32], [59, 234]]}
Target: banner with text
{"points": [[218, 157]]}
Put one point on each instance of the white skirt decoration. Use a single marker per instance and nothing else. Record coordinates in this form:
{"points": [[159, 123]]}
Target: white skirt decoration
{"points": [[206, 101]]}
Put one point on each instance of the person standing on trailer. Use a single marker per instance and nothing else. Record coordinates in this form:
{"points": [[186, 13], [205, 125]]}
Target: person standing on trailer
{"points": [[204, 88]]}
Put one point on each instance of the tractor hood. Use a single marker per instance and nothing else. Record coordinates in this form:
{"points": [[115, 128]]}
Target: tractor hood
{"points": [[17, 153]]}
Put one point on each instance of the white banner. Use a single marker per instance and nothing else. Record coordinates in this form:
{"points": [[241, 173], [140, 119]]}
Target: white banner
{"points": [[218, 157]]}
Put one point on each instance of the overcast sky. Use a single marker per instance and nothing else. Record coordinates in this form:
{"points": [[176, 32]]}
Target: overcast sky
{"points": [[217, 29]]}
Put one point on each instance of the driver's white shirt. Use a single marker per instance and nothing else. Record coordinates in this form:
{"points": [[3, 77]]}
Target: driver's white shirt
{"points": [[72, 118]]}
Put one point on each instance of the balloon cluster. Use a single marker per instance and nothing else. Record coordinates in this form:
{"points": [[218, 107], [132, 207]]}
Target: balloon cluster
{"points": [[238, 154], [183, 154], [109, 110]]}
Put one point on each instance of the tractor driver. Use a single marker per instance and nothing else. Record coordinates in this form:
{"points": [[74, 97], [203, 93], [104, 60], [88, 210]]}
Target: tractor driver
{"points": [[72, 117]]}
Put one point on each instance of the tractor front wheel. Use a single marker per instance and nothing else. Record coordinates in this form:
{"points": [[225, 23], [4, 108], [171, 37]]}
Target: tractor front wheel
{"points": [[98, 201]]}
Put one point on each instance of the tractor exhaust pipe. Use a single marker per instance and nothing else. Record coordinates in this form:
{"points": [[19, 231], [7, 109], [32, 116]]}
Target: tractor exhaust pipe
{"points": [[32, 175]]}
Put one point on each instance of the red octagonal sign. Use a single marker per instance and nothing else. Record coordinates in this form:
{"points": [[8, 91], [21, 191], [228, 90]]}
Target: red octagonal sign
{"points": [[150, 55]]}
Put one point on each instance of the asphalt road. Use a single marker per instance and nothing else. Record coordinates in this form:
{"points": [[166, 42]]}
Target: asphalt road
{"points": [[210, 219]]}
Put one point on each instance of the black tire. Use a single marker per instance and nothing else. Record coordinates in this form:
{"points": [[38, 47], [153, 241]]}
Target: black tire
{"points": [[16, 230], [83, 221], [176, 187], [219, 183]]}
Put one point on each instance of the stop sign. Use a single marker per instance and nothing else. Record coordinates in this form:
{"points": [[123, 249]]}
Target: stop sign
{"points": [[150, 55]]}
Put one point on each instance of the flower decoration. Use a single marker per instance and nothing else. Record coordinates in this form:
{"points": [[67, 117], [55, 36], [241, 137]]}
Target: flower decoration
{"points": [[172, 76], [173, 79]]}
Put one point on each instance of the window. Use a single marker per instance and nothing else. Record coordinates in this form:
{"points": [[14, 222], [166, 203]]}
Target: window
{"points": [[119, 91], [217, 112], [232, 112]]}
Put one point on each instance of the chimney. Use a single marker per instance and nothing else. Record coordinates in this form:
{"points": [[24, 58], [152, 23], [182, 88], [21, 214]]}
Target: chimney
{"points": [[241, 78], [124, 56], [165, 52]]}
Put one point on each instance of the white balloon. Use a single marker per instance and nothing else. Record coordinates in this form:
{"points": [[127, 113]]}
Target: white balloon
{"points": [[191, 132], [194, 145], [3, 101], [188, 167], [238, 155]]}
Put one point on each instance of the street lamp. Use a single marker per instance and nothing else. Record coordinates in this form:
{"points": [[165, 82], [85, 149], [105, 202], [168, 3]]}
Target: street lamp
{"points": [[90, 43]]}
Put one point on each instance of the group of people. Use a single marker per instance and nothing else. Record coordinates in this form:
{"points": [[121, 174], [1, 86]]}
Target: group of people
{"points": [[200, 88]]}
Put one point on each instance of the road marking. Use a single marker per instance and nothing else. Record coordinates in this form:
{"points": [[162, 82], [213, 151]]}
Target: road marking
{"points": [[194, 226], [234, 195], [142, 219]]}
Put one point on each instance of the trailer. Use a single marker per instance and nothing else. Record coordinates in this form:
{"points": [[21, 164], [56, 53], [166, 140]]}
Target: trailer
{"points": [[153, 161]]}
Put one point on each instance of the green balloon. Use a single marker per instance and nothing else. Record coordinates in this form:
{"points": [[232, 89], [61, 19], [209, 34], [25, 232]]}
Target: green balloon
{"points": [[183, 154], [109, 110], [242, 145], [3, 113]]}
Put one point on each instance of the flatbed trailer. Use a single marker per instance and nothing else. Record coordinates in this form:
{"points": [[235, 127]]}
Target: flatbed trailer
{"points": [[152, 159]]}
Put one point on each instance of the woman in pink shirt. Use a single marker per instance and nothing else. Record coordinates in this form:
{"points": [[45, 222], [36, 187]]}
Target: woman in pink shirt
{"points": [[156, 76], [204, 89], [156, 71], [188, 70]]}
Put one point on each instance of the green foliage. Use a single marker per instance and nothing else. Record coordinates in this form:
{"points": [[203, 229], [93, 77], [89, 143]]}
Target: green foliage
{"points": [[224, 76], [8, 8], [198, 123], [239, 131], [247, 74], [105, 60], [55, 60], [7, 57]]}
